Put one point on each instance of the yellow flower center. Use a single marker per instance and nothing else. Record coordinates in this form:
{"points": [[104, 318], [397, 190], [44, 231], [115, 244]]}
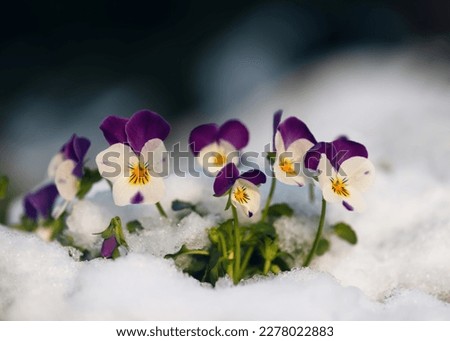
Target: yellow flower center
{"points": [[241, 195], [219, 159], [287, 166], [339, 185], [139, 174]]}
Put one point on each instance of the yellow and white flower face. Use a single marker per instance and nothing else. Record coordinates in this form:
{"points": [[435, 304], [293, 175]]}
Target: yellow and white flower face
{"points": [[213, 157], [288, 162], [135, 179], [245, 195], [355, 175]]}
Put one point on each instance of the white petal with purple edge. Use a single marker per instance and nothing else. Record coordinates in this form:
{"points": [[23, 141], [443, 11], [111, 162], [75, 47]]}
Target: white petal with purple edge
{"points": [[54, 164], [65, 181], [113, 163], [124, 193], [154, 153], [355, 199], [359, 171], [245, 195]]}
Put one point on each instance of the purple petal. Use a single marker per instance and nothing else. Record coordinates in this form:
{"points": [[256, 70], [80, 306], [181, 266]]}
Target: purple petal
{"points": [[292, 129], [202, 136], [347, 206], [113, 128], [42, 201], [143, 126], [255, 176], [30, 210], [80, 147], [108, 247], [225, 179], [312, 157], [68, 150], [235, 133], [276, 122], [137, 199], [345, 149]]}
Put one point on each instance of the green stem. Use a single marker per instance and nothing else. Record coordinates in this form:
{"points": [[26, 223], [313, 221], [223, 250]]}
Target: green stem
{"points": [[247, 256], [161, 210], [223, 246], [312, 196], [318, 234], [269, 198], [267, 264], [237, 247]]}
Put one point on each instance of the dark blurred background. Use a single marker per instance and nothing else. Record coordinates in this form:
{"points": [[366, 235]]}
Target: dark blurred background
{"points": [[66, 65]]}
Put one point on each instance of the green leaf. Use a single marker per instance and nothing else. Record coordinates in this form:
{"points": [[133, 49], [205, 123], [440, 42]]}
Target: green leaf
{"points": [[134, 226], [4, 181], [345, 232], [322, 247], [279, 210], [90, 177], [185, 251], [178, 205]]}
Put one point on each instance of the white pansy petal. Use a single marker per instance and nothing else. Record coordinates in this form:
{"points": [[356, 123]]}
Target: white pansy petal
{"points": [[328, 193], [154, 153], [125, 193], [245, 195], [153, 192], [113, 163], [279, 143], [299, 148], [359, 171], [326, 171], [227, 149], [54, 164], [289, 179], [355, 199], [207, 158], [65, 181]]}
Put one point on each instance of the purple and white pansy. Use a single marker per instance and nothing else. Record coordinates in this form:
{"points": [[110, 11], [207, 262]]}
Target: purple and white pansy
{"points": [[134, 162], [292, 140], [66, 167], [39, 204], [215, 146], [244, 192], [343, 171]]}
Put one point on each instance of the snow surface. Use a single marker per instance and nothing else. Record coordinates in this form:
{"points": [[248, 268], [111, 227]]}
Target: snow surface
{"points": [[394, 103]]}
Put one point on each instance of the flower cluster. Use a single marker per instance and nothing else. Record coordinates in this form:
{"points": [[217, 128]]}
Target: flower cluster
{"points": [[135, 164]]}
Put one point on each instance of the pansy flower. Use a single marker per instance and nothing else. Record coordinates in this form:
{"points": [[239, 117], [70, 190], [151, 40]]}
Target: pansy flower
{"points": [[39, 204], [343, 171], [244, 192], [66, 167], [134, 161], [292, 140], [215, 146]]}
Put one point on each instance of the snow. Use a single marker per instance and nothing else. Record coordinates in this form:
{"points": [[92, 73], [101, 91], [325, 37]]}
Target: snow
{"points": [[399, 270]]}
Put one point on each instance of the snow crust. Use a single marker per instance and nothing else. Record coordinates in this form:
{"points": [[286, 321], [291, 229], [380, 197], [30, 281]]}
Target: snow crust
{"points": [[400, 269]]}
